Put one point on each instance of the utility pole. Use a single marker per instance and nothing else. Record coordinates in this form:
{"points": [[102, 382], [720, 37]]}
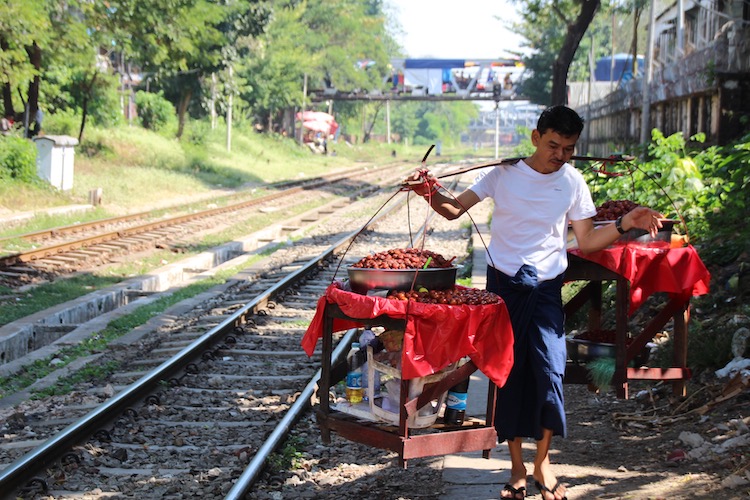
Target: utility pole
{"points": [[646, 82], [680, 29], [612, 55], [304, 104], [213, 101], [497, 129], [229, 110], [388, 120], [497, 95]]}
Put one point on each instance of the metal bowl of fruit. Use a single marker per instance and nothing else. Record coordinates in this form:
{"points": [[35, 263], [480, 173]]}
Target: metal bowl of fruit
{"points": [[637, 237], [583, 351], [362, 280], [642, 237]]}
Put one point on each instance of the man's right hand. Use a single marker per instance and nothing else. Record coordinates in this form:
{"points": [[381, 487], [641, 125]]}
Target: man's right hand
{"points": [[422, 182]]}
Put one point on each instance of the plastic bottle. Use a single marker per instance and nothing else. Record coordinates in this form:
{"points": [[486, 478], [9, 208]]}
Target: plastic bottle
{"points": [[369, 339], [354, 391], [455, 403]]}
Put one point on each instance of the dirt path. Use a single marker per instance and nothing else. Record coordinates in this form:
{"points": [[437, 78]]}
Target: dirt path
{"points": [[636, 449]]}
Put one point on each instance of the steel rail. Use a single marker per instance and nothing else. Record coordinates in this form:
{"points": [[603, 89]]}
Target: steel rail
{"points": [[251, 473], [52, 250], [23, 468], [82, 226], [20, 470]]}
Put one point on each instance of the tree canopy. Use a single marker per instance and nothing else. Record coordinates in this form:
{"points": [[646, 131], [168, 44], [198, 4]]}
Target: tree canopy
{"points": [[82, 57]]}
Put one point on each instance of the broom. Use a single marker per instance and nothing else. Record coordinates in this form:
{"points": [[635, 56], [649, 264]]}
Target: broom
{"points": [[601, 371]]}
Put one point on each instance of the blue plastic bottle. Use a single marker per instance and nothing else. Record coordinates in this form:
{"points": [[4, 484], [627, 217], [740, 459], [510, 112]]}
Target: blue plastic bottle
{"points": [[354, 389]]}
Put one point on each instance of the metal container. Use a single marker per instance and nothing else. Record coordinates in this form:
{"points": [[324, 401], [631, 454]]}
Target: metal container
{"points": [[362, 280], [583, 351], [637, 237], [642, 237]]}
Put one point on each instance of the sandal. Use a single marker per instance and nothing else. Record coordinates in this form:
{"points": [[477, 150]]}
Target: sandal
{"points": [[521, 490], [543, 489]]}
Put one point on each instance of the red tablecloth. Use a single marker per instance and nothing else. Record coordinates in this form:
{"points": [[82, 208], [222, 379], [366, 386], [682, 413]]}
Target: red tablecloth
{"points": [[676, 271], [436, 335]]}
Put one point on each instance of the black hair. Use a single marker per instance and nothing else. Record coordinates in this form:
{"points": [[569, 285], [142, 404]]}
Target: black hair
{"points": [[560, 119]]}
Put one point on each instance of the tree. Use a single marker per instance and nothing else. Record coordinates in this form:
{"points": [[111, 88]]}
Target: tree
{"points": [[275, 68], [181, 49], [24, 29], [348, 39], [339, 43], [46, 46], [558, 34]]}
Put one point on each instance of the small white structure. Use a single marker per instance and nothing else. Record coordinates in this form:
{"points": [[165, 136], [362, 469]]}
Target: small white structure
{"points": [[54, 160]]}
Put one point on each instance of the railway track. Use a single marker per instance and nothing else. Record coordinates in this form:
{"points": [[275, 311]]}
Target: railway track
{"points": [[197, 407], [25, 336], [72, 248]]}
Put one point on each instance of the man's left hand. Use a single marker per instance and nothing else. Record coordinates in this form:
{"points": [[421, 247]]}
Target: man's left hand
{"points": [[643, 218]]}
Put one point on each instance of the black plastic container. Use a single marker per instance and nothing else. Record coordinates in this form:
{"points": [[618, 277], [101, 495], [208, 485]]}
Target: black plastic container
{"points": [[455, 403]]}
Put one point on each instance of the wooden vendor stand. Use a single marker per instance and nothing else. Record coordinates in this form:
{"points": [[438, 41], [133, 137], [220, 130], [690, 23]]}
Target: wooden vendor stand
{"points": [[339, 309], [638, 272]]}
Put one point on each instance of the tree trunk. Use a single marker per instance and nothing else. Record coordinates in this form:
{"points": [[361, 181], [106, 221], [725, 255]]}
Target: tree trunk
{"points": [[182, 110], [368, 132], [35, 57], [573, 37], [85, 105], [634, 49], [7, 90]]}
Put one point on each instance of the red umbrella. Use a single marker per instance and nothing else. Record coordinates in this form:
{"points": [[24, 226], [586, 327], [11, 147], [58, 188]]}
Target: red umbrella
{"points": [[317, 116], [317, 126]]}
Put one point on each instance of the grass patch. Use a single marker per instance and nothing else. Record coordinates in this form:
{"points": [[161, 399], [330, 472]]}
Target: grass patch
{"points": [[98, 342], [157, 167], [43, 221], [22, 196], [48, 295], [288, 456], [134, 166], [17, 306]]}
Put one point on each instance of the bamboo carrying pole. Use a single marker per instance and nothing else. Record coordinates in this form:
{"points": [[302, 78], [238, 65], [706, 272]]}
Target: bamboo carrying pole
{"points": [[506, 161]]}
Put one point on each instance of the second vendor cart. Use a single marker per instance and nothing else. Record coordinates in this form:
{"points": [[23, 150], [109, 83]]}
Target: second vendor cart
{"points": [[638, 272]]}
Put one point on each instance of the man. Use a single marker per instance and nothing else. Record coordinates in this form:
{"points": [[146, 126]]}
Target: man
{"points": [[534, 200], [6, 125]]}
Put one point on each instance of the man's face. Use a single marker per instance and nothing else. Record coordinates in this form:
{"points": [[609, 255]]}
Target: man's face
{"points": [[552, 150]]}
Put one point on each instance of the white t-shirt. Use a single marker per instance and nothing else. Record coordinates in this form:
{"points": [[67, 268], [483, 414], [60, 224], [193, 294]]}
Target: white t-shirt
{"points": [[531, 214]]}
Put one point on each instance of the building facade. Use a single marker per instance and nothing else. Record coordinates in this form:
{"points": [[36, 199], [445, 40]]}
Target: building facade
{"points": [[700, 80]]}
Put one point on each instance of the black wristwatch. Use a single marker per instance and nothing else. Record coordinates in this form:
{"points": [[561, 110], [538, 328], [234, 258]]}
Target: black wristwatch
{"points": [[618, 225]]}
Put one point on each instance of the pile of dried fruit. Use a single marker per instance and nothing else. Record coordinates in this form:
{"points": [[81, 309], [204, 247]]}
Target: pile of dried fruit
{"points": [[451, 296], [408, 258], [611, 210]]}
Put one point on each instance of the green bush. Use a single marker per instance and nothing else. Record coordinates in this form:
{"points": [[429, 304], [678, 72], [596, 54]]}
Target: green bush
{"points": [[154, 111], [64, 122], [100, 96], [17, 159], [104, 108], [197, 132]]}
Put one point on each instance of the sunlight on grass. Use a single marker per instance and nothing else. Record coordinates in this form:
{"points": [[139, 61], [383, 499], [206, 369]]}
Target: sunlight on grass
{"points": [[19, 305], [51, 294], [43, 221]]}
